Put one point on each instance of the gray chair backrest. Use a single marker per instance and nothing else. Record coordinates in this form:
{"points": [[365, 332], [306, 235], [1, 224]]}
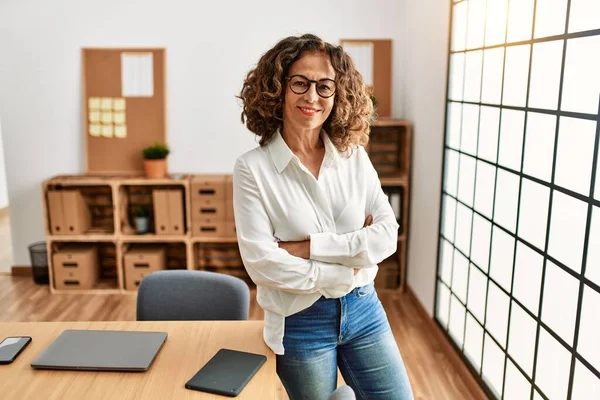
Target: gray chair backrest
{"points": [[343, 393], [185, 295]]}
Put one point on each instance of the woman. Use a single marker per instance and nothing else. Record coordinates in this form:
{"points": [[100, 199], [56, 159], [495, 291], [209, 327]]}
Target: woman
{"points": [[312, 223]]}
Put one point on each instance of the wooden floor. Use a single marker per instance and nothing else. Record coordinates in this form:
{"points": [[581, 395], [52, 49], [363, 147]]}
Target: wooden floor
{"points": [[425, 354]]}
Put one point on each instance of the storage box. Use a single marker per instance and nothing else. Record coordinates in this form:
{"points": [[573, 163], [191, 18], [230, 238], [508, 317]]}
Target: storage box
{"points": [[69, 213], [209, 227], [139, 262], [76, 213], [75, 267], [213, 228], [168, 212], [160, 203], [229, 187], [209, 187], [229, 214], [55, 209], [230, 230], [229, 198], [213, 209], [212, 206], [176, 220]]}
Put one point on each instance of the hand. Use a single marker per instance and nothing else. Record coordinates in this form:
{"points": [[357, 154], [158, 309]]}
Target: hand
{"points": [[368, 222], [299, 249]]}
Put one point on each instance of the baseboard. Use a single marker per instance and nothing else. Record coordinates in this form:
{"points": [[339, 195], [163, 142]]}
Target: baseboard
{"points": [[3, 212], [455, 359], [21, 270]]}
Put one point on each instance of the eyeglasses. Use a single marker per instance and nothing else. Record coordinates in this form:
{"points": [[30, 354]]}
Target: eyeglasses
{"points": [[300, 85]]}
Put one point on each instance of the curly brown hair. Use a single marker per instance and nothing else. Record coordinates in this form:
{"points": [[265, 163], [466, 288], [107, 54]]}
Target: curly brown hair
{"points": [[263, 93]]}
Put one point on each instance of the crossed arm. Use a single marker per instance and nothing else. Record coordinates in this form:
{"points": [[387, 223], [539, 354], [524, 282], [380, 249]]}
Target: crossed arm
{"points": [[302, 248]]}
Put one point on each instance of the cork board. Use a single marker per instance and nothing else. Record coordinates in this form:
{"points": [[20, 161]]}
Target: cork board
{"points": [[378, 75], [118, 121]]}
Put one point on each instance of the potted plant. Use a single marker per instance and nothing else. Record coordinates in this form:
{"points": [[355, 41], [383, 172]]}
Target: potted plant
{"points": [[374, 101], [155, 160], [141, 218]]}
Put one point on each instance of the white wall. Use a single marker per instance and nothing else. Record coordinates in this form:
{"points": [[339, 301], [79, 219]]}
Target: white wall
{"points": [[424, 74], [3, 187], [210, 46]]}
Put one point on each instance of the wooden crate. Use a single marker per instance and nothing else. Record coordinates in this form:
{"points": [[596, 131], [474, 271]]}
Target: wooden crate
{"points": [[389, 147], [388, 276], [217, 255], [176, 255], [107, 278], [131, 196], [98, 198], [223, 258], [107, 255]]}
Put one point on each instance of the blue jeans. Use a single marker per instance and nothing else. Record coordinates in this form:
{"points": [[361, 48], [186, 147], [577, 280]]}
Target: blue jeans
{"points": [[351, 333]]}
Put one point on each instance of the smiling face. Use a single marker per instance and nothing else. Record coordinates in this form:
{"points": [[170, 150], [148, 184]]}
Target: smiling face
{"points": [[308, 111]]}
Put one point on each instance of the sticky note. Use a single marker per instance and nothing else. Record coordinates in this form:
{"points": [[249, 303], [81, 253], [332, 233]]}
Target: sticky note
{"points": [[119, 104], [94, 103], [120, 131], [106, 104], [94, 116], [95, 130], [107, 118], [119, 118], [107, 131]]}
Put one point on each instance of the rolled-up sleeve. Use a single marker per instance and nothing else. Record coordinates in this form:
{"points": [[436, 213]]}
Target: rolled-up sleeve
{"points": [[367, 246], [267, 263]]}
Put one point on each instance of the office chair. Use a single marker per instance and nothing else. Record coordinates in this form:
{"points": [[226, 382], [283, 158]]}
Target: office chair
{"points": [[184, 295], [343, 393]]}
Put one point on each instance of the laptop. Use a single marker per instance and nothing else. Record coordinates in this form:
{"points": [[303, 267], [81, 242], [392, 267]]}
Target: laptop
{"points": [[91, 350]]}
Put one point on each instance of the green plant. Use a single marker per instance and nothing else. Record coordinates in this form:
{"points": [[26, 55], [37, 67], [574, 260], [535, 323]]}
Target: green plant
{"points": [[157, 151], [374, 100], [139, 211], [374, 115]]}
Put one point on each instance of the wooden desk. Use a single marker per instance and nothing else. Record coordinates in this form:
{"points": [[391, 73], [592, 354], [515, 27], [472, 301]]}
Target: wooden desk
{"points": [[189, 345]]}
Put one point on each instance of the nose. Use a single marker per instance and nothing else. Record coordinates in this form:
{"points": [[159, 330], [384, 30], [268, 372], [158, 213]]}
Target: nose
{"points": [[311, 95]]}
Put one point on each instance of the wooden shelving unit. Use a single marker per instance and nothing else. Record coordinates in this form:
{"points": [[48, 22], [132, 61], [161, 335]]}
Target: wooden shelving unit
{"points": [[121, 234], [390, 150], [110, 199]]}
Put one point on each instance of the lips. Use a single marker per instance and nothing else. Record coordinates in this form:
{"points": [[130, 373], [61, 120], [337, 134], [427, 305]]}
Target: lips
{"points": [[308, 111]]}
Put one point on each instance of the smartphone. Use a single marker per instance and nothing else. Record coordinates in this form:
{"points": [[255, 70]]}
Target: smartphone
{"points": [[227, 373], [11, 347]]}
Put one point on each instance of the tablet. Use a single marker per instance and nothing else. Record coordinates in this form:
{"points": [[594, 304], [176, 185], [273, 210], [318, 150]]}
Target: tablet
{"points": [[227, 373]]}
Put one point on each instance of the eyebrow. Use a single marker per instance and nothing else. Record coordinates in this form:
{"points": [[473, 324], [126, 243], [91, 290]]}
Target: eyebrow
{"points": [[320, 79]]}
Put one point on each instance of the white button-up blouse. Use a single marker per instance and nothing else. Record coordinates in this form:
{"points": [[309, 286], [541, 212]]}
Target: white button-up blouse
{"points": [[276, 198]]}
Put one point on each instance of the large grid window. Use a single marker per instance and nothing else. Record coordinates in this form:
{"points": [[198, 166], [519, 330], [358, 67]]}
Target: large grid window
{"points": [[518, 282]]}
